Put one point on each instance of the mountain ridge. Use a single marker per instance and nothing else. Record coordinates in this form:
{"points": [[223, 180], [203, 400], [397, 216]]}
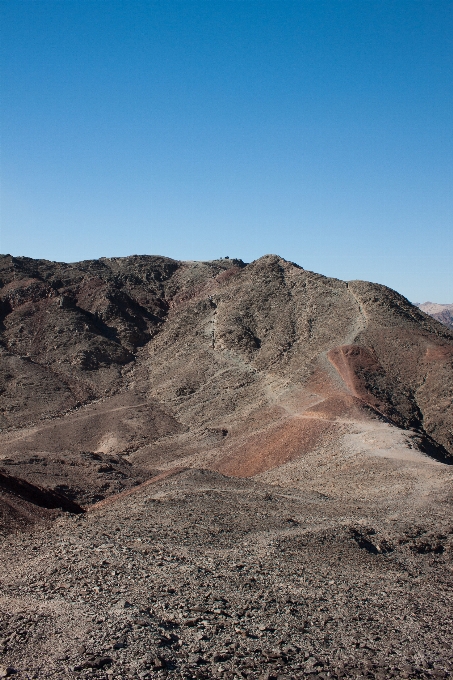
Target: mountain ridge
{"points": [[220, 470], [204, 355]]}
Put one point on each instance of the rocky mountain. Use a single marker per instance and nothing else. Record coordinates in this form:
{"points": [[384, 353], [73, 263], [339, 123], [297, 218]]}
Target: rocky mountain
{"points": [[228, 458], [238, 368], [442, 313]]}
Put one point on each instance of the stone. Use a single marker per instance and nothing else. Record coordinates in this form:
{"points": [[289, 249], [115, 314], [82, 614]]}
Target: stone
{"points": [[142, 622], [119, 644], [6, 671], [192, 621], [157, 663], [123, 604], [96, 662], [195, 659]]}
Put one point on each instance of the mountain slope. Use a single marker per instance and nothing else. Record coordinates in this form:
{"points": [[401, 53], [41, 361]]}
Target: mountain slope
{"points": [[241, 469], [240, 368]]}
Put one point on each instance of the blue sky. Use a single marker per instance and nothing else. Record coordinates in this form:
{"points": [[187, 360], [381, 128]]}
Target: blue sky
{"points": [[321, 131]]}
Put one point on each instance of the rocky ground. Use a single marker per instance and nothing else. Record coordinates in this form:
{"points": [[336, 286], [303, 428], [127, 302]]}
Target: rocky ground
{"points": [[200, 575], [213, 469]]}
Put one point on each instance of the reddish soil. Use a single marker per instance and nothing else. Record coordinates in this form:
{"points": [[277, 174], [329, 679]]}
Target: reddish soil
{"points": [[276, 446], [358, 367]]}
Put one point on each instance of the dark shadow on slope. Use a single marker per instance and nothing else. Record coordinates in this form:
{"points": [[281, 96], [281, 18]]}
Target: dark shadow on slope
{"points": [[428, 445], [44, 498]]}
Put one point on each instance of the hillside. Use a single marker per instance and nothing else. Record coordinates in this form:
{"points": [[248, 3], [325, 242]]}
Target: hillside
{"points": [[241, 469], [239, 368]]}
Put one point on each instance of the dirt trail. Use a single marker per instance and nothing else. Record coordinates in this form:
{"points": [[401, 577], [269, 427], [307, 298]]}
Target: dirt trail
{"points": [[361, 321], [388, 443], [19, 434]]}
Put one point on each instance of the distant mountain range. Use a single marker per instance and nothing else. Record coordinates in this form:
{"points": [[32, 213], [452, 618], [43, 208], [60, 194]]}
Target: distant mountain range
{"points": [[442, 313]]}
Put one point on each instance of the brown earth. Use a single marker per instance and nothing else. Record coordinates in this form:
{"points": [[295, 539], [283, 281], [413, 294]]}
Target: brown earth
{"points": [[172, 399], [115, 355], [115, 368]]}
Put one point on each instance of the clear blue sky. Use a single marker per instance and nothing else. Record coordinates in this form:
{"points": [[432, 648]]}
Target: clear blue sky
{"points": [[321, 131]]}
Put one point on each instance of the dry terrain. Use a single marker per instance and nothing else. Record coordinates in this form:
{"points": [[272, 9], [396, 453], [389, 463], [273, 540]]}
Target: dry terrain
{"points": [[213, 469], [443, 313]]}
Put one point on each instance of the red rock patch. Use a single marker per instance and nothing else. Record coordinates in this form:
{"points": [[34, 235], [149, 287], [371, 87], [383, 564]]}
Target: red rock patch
{"points": [[276, 446]]}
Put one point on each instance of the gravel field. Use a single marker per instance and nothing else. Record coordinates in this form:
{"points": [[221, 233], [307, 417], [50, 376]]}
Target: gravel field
{"points": [[201, 576]]}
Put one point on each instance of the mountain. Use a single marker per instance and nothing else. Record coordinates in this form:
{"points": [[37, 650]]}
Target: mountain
{"points": [[153, 356], [113, 369], [442, 313], [241, 469]]}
